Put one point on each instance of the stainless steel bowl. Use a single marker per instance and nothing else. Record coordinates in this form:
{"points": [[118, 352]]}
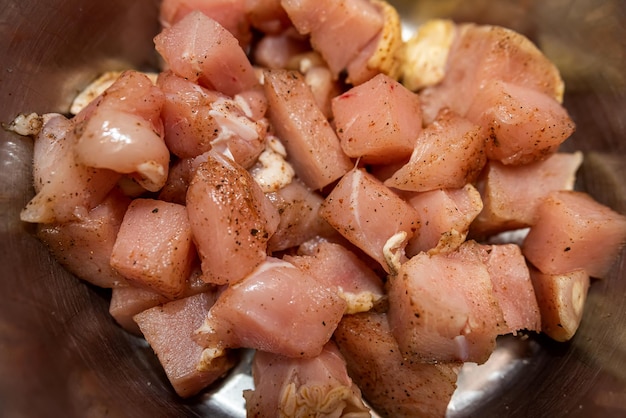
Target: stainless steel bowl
{"points": [[62, 355]]}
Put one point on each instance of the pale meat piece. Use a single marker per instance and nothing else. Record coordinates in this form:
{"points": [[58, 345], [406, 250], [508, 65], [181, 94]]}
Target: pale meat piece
{"points": [[126, 144], [312, 145], [338, 29], [201, 50], [316, 387], [443, 307], [154, 246], [378, 121], [573, 231], [481, 54], [445, 217], [522, 125], [122, 131], [280, 50], [511, 194], [380, 55], [393, 385], [299, 216], [168, 329], [371, 217], [512, 285], [128, 301], [231, 14], [231, 219], [277, 308], [449, 153], [342, 271], [66, 190], [268, 16], [84, 246], [561, 299]]}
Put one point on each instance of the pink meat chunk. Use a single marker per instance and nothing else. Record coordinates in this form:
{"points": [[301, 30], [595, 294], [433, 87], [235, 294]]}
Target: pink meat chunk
{"points": [[154, 247], [231, 219], [358, 69], [449, 153], [168, 329], [445, 217], [128, 301], [573, 231], [442, 307], [294, 387], [511, 194], [368, 214], [231, 14], [378, 121], [298, 207], [132, 92], [512, 285], [342, 271], [268, 16], [277, 308], [482, 54], [338, 29], [522, 124], [393, 385], [200, 49], [312, 145], [123, 132], [178, 179], [280, 50], [66, 189], [189, 127], [84, 246], [239, 137], [197, 119]]}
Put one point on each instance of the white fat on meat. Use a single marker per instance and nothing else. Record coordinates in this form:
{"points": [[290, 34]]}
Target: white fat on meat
{"points": [[27, 124], [272, 171], [232, 120], [393, 251], [425, 54], [367, 213]]}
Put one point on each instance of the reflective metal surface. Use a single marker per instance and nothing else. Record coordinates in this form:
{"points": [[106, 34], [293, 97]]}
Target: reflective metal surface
{"points": [[61, 354]]}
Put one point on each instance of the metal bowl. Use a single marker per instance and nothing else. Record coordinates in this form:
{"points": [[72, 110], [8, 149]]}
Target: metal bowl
{"points": [[62, 355]]}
